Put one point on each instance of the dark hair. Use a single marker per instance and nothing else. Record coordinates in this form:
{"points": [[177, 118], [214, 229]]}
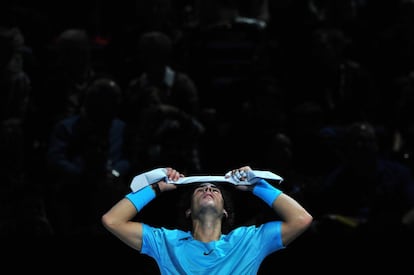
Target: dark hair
{"points": [[185, 223], [155, 45], [102, 99]]}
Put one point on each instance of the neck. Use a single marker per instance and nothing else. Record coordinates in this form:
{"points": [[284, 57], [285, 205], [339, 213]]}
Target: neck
{"points": [[207, 230]]}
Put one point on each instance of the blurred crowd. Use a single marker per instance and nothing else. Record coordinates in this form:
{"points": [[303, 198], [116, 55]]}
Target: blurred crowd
{"points": [[319, 92]]}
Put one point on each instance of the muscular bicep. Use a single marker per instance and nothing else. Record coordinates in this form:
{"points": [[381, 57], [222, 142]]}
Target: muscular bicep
{"points": [[131, 234], [119, 221], [295, 218]]}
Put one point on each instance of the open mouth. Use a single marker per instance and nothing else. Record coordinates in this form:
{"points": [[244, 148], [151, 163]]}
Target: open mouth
{"points": [[207, 195]]}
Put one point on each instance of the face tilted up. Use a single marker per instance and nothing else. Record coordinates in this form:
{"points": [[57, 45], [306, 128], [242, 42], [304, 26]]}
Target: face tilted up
{"points": [[207, 198]]}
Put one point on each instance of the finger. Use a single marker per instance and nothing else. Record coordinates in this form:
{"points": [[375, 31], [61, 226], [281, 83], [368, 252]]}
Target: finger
{"points": [[174, 175], [177, 175], [243, 174], [235, 176]]}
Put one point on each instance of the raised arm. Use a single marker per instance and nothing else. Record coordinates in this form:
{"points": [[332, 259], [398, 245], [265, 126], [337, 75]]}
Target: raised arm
{"points": [[295, 218], [118, 220]]}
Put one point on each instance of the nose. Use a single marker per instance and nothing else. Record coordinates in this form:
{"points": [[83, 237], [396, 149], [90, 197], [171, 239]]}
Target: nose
{"points": [[207, 188]]}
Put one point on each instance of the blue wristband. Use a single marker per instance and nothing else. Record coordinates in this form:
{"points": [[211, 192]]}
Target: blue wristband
{"points": [[267, 192], [142, 197]]}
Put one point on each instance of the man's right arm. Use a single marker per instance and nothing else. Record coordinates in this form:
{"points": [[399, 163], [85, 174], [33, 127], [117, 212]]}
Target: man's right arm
{"points": [[119, 219]]}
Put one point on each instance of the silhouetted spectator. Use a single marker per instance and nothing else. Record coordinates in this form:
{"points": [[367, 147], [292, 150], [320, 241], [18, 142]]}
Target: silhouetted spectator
{"points": [[15, 96], [223, 53], [173, 87], [401, 121], [362, 202], [15, 83], [157, 100], [163, 134], [22, 211], [68, 70], [305, 126], [264, 112], [337, 81], [87, 160], [131, 20]]}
